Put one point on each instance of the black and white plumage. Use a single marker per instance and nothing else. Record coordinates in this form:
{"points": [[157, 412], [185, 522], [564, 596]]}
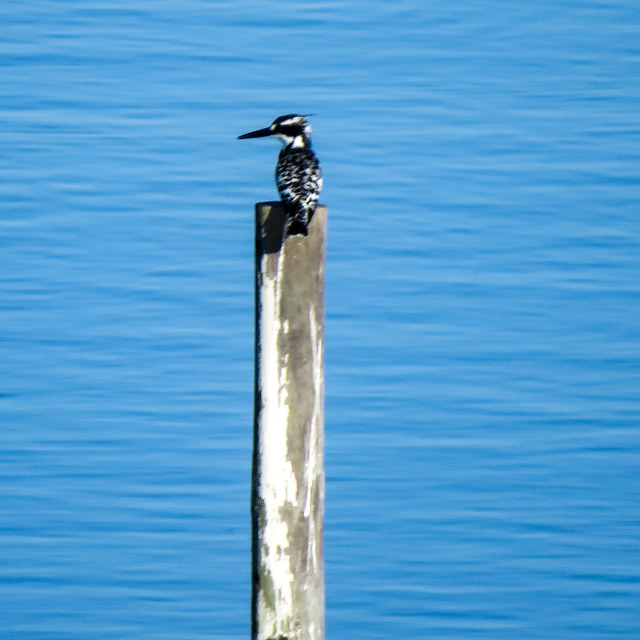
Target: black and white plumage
{"points": [[298, 173]]}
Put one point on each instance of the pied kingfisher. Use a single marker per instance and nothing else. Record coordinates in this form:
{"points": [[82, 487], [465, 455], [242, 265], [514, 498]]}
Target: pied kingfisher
{"points": [[298, 174]]}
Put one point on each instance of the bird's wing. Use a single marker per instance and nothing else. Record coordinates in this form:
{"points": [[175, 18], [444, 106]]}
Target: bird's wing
{"points": [[299, 178]]}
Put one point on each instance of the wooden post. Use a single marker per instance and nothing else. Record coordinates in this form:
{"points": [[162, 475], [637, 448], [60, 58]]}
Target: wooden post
{"points": [[287, 497]]}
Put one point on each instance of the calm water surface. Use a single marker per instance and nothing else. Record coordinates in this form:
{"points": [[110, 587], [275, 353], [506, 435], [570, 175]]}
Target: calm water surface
{"points": [[483, 292]]}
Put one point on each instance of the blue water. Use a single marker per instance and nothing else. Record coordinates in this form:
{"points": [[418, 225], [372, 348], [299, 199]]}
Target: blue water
{"points": [[482, 172]]}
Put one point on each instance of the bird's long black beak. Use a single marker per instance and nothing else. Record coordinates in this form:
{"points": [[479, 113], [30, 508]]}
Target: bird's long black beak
{"points": [[260, 133]]}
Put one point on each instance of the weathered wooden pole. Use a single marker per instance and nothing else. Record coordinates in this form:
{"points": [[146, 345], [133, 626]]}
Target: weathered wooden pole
{"points": [[287, 497]]}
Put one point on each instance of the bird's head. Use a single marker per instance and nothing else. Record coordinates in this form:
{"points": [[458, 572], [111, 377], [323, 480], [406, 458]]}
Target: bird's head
{"points": [[292, 130]]}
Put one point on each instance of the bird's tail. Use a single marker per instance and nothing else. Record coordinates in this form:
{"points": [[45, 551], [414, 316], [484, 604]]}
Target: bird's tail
{"points": [[297, 227]]}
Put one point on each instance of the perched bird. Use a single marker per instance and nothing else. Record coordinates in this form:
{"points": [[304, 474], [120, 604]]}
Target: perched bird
{"points": [[298, 174]]}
